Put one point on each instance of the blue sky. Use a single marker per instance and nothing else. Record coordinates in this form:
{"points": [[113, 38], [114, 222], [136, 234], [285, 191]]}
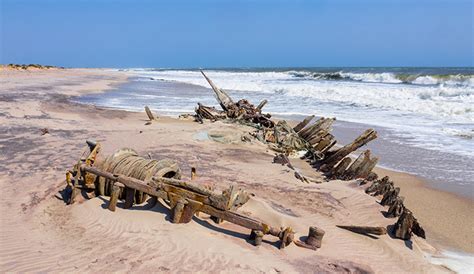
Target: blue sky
{"points": [[213, 33]]}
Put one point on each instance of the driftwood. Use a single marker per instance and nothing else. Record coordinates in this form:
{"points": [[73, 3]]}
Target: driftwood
{"points": [[314, 239], [376, 230], [407, 225]]}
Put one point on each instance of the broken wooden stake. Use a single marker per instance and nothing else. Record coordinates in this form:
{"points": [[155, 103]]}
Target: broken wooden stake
{"points": [[407, 225], [261, 105], [150, 115]]}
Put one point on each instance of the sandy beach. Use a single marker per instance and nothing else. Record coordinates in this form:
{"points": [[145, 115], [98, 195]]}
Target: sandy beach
{"points": [[39, 233]]}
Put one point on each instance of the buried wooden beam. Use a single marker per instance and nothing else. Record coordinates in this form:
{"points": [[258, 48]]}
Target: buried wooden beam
{"points": [[376, 230]]}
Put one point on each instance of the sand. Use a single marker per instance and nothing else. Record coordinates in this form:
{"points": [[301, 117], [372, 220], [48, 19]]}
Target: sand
{"points": [[38, 232]]}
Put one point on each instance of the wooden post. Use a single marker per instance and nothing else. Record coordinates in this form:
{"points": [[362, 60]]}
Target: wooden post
{"points": [[314, 239], [286, 237], [149, 114], [129, 197], [257, 237], [193, 173], [114, 197], [189, 210], [178, 211]]}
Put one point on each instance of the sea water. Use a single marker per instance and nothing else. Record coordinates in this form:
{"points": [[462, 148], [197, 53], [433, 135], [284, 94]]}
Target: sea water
{"points": [[424, 116]]}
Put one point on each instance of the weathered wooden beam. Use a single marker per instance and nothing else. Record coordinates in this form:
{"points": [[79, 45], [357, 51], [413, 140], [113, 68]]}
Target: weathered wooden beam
{"points": [[114, 197], [222, 97], [129, 197], [407, 225], [376, 230], [165, 191], [342, 152], [390, 196], [150, 115], [304, 132], [303, 123], [340, 168], [351, 171], [261, 105], [396, 209]]}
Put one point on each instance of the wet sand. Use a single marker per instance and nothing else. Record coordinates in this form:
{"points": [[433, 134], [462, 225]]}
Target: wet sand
{"points": [[40, 233]]}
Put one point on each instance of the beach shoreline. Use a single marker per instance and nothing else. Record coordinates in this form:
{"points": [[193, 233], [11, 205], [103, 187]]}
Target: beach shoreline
{"points": [[446, 217]]}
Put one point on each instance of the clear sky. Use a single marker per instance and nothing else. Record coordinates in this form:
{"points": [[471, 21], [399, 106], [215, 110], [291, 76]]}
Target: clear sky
{"points": [[224, 33]]}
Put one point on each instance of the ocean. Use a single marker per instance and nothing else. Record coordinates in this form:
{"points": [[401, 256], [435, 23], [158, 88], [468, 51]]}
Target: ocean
{"points": [[425, 116]]}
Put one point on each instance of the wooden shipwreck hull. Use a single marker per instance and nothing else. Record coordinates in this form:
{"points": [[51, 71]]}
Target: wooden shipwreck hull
{"points": [[322, 152], [315, 138]]}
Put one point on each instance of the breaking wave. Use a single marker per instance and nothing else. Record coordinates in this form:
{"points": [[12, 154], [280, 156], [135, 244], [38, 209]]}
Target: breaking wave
{"points": [[466, 80]]}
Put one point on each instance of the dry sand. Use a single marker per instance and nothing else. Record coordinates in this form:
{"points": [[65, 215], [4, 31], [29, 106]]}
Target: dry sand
{"points": [[38, 232]]}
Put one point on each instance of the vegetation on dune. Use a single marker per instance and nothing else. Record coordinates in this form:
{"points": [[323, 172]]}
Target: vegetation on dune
{"points": [[30, 66]]}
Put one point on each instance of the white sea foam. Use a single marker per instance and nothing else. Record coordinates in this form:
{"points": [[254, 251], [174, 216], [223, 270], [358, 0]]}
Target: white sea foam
{"points": [[456, 261], [384, 77]]}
